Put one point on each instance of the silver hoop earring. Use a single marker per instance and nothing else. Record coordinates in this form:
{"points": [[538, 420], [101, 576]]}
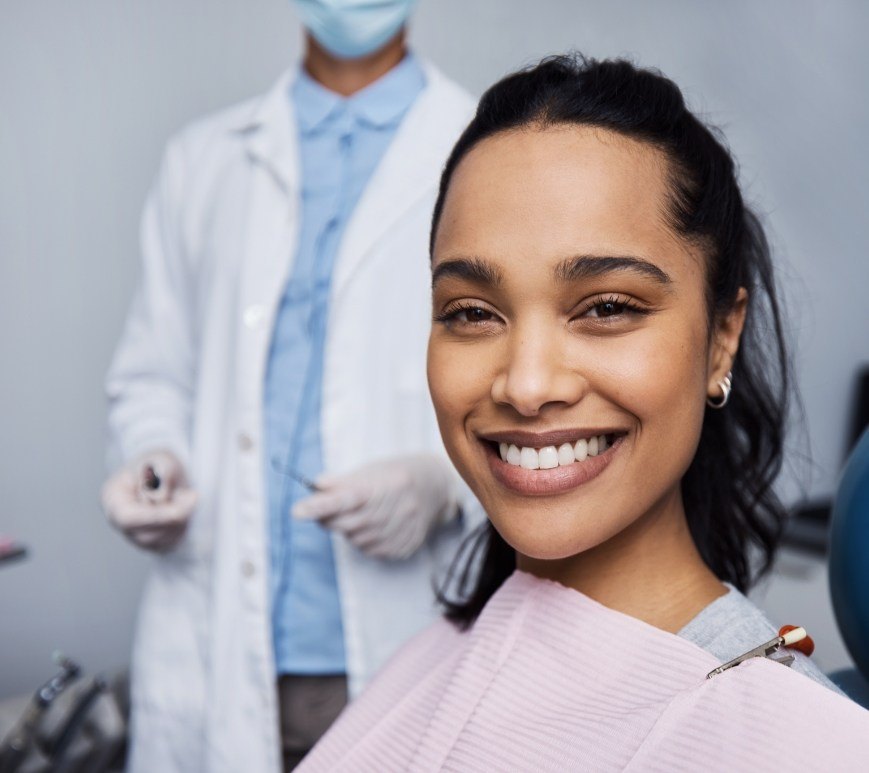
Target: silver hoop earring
{"points": [[726, 384]]}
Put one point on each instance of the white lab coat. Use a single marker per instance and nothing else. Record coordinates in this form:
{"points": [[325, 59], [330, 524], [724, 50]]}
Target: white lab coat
{"points": [[219, 236]]}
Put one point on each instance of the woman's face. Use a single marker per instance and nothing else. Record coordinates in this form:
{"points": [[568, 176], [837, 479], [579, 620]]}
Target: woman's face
{"points": [[570, 357]]}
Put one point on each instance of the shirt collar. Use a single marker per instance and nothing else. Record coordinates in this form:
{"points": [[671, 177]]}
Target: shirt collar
{"points": [[379, 104]]}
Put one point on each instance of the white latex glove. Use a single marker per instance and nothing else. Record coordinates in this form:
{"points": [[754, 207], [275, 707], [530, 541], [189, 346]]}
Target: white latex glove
{"points": [[386, 508], [152, 518]]}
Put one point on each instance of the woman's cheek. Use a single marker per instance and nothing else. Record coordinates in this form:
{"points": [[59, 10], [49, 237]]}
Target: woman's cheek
{"points": [[661, 383], [651, 372], [450, 391], [460, 380]]}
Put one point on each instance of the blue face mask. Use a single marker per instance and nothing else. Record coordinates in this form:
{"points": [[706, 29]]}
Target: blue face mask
{"points": [[350, 29]]}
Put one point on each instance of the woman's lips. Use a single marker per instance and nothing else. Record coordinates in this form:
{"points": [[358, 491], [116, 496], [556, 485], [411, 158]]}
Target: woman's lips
{"points": [[548, 482]]}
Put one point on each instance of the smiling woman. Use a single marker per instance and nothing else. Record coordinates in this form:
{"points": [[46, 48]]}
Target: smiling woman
{"points": [[590, 328], [598, 287], [638, 281]]}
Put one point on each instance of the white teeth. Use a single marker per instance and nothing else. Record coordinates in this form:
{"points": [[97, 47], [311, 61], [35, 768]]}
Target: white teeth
{"points": [[529, 459], [548, 457], [580, 450]]}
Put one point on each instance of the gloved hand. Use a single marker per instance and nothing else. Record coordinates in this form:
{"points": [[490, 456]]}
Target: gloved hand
{"points": [[386, 508], [151, 511]]}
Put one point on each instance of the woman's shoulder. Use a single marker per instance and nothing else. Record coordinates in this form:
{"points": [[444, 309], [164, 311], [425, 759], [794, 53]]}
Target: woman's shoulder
{"points": [[754, 716], [733, 624]]}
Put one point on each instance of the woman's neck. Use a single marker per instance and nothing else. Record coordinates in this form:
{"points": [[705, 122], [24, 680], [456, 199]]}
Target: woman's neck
{"points": [[651, 570]]}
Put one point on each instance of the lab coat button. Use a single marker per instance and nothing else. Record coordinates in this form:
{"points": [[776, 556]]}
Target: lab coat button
{"points": [[248, 569], [245, 441], [254, 315]]}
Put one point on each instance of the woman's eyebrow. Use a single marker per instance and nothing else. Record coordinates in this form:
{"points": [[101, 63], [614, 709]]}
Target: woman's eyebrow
{"points": [[585, 266], [472, 269]]}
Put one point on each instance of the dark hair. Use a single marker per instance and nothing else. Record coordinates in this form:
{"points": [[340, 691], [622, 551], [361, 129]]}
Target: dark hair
{"points": [[732, 510]]}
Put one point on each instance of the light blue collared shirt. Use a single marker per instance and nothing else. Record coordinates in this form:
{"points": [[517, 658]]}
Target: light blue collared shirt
{"points": [[341, 141]]}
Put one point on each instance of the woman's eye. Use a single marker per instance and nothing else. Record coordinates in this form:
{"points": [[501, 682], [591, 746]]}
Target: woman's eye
{"points": [[466, 317], [612, 308], [472, 315], [608, 309]]}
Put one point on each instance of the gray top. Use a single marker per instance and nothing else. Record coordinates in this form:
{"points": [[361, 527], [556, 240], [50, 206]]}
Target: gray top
{"points": [[732, 624]]}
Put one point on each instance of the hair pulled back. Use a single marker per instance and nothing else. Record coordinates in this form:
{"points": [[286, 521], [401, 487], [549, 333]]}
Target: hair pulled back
{"points": [[732, 510]]}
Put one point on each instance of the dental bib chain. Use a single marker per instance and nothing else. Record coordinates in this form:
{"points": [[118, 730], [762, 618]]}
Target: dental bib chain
{"points": [[726, 385]]}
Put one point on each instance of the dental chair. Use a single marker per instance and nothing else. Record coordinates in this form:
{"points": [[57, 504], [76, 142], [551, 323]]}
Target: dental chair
{"points": [[849, 569]]}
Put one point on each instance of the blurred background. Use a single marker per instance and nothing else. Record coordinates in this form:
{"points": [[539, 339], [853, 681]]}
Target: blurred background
{"points": [[91, 90]]}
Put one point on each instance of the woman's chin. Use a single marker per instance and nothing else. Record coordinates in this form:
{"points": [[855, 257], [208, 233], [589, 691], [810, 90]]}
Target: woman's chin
{"points": [[549, 541]]}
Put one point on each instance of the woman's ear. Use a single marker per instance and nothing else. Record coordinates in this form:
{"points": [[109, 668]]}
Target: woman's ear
{"points": [[725, 343]]}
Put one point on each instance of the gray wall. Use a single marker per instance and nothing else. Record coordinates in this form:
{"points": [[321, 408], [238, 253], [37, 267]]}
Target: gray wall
{"points": [[90, 90]]}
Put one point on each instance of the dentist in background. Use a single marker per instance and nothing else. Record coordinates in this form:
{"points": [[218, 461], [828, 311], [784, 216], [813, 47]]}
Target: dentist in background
{"points": [[279, 333]]}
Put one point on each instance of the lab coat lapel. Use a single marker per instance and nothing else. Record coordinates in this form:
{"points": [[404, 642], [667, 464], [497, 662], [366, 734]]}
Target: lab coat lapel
{"points": [[270, 134], [408, 171], [271, 221]]}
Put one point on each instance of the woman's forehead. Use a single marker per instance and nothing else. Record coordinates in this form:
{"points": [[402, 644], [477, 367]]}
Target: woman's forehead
{"points": [[561, 156], [555, 192]]}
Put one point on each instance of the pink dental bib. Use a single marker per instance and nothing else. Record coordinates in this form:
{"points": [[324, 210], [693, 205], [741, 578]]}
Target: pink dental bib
{"points": [[549, 680]]}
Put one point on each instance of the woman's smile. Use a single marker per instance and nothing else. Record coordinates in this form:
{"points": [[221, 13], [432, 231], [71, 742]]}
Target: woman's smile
{"points": [[549, 463]]}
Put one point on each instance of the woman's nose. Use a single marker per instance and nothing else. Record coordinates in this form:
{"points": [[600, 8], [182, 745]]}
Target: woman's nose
{"points": [[535, 374]]}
